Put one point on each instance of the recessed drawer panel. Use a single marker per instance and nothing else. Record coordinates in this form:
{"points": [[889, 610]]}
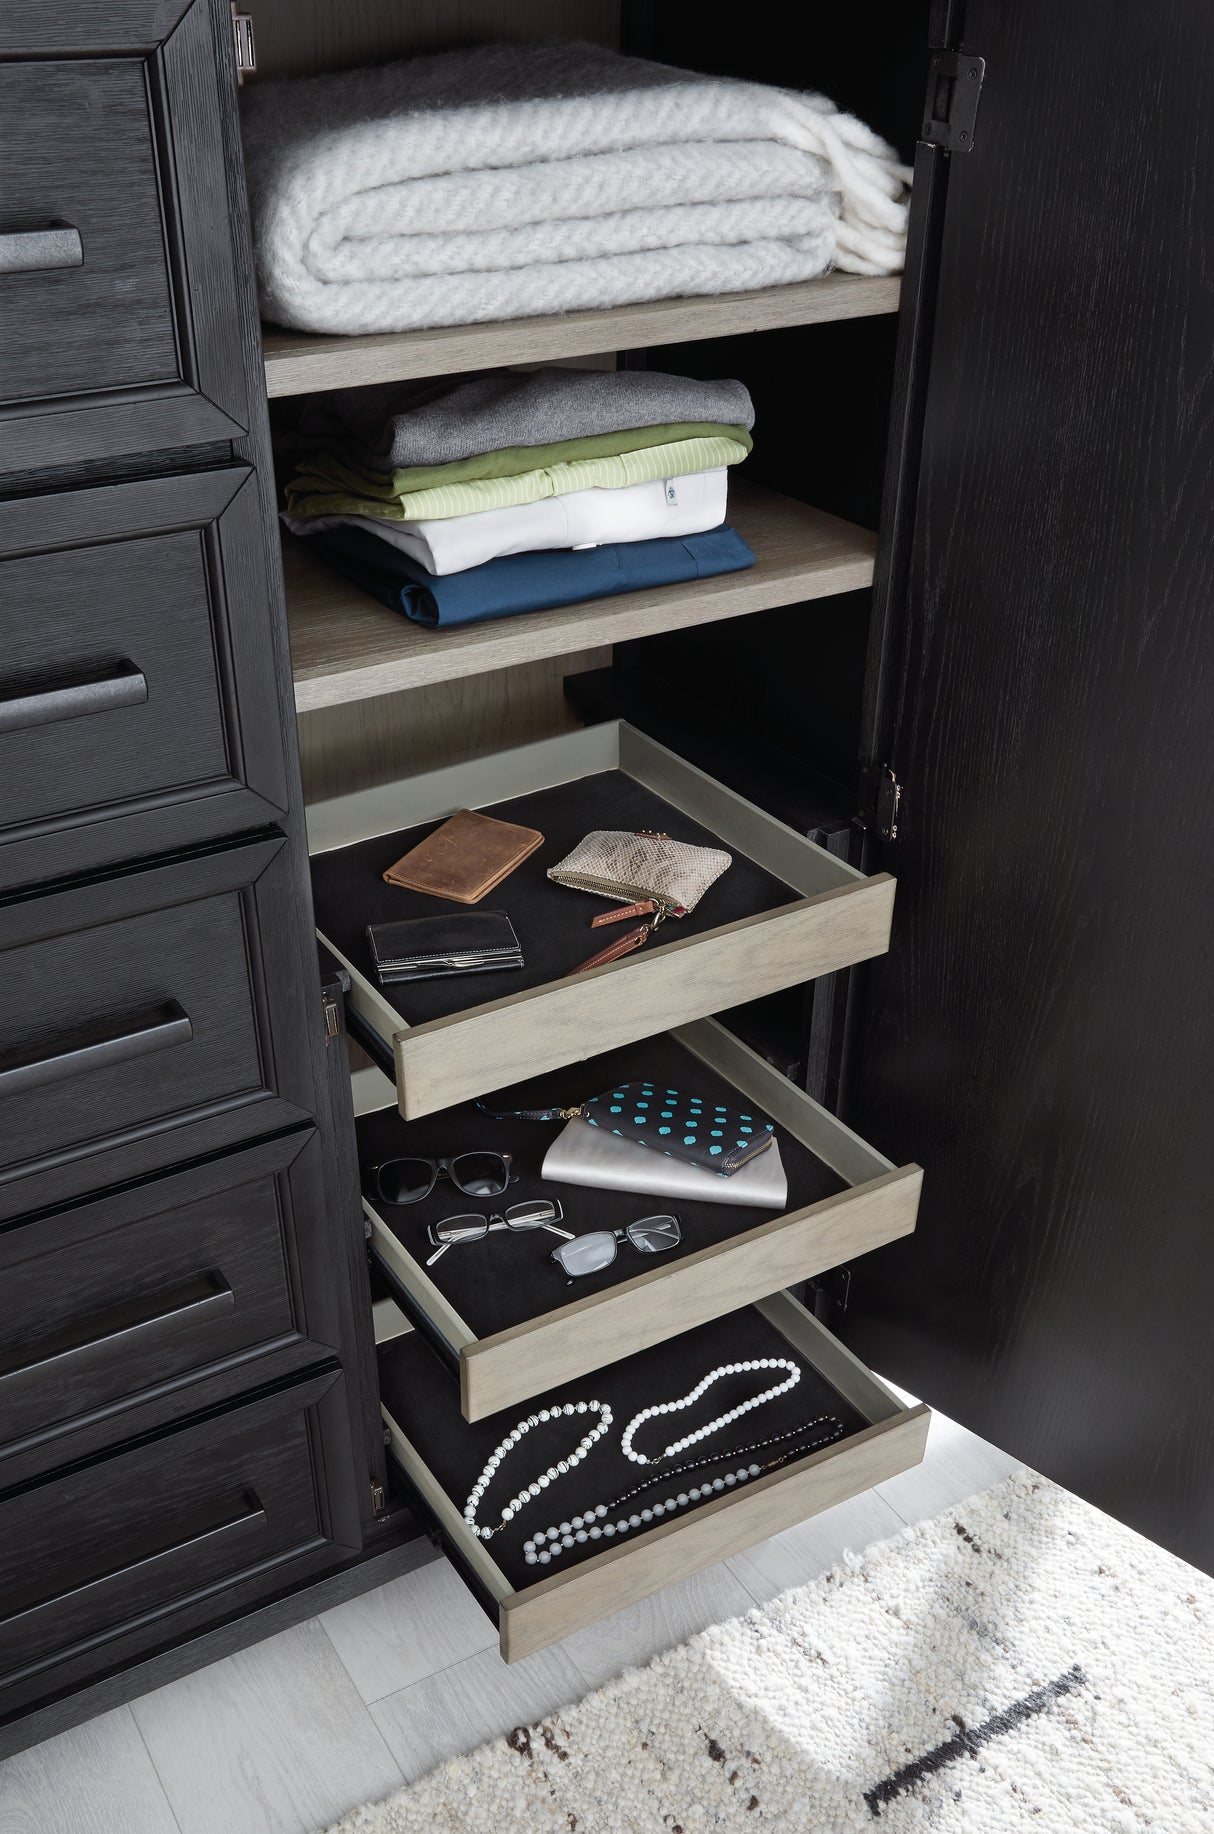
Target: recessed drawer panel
{"points": [[118, 1554], [103, 231], [503, 1316], [141, 1288], [138, 708], [837, 1432], [783, 912], [146, 1018]]}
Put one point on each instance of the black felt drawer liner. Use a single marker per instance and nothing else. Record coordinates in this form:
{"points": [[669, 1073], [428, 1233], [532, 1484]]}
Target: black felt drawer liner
{"points": [[553, 922], [423, 1400], [502, 1280]]}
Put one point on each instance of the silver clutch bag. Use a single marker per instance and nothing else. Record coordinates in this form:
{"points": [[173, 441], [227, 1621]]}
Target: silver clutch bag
{"points": [[632, 868], [582, 1154]]}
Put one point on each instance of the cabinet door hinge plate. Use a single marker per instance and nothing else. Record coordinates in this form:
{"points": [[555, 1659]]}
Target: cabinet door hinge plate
{"points": [[332, 1018], [379, 1497], [242, 40], [954, 84], [880, 801]]}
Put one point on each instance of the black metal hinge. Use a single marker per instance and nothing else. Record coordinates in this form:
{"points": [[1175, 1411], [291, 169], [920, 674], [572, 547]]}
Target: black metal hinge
{"points": [[880, 800], [954, 83]]}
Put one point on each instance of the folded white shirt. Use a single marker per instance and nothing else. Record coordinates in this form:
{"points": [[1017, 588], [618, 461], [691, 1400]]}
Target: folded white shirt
{"points": [[584, 519]]}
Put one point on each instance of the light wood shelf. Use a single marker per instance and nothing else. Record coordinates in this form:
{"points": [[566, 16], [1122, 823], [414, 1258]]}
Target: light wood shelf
{"points": [[301, 363], [345, 646]]}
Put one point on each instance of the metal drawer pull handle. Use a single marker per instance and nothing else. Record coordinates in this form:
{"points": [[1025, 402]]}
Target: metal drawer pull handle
{"points": [[122, 686], [134, 1325], [34, 251], [97, 1049], [207, 1532]]}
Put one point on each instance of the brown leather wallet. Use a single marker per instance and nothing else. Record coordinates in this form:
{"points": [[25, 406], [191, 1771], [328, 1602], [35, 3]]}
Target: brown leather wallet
{"points": [[465, 858]]}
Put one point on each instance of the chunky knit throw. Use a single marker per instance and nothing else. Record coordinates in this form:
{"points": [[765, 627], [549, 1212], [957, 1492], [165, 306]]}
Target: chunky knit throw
{"points": [[511, 180]]}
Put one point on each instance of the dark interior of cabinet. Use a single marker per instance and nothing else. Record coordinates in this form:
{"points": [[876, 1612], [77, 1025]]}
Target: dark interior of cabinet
{"points": [[821, 392]]}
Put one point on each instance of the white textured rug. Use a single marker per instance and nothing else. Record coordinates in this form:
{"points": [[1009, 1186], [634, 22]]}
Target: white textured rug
{"points": [[1023, 1662]]}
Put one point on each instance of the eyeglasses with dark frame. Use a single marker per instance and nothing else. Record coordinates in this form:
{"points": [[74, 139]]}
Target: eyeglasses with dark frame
{"points": [[409, 1181], [590, 1254], [454, 1231]]}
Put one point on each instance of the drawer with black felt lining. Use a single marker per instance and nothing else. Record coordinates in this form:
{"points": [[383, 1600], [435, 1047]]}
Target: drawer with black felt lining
{"points": [[442, 1456], [784, 912], [501, 1313]]}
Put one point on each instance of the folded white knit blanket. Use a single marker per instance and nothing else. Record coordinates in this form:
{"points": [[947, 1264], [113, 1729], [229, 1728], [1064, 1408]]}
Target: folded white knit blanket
{"points": [[510, 180]]}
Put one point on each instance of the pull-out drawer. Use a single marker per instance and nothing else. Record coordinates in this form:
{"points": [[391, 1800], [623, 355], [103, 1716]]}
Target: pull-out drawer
{"points": [[783, 912], [865, 1435], [504, 1316], [153, 1286], [104, 232], [138, 708], [146, 1018], [116, 1555]]}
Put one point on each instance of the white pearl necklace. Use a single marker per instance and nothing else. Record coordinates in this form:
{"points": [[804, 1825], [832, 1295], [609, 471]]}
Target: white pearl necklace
{"points": [[542, 1482], [702, 1432], [593, 1525]]}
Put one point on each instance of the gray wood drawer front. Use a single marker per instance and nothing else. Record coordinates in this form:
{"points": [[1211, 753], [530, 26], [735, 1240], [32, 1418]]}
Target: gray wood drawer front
{"points": [[118, 314], [113, 1555], [137, 700], [155, 1285], [145, 1018]]}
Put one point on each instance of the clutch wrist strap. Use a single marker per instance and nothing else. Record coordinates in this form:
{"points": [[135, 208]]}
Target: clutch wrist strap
{"points": [[530, 1114]]}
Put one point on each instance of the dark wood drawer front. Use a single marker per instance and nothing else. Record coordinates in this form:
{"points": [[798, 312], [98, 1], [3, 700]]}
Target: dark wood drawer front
{"points": [[142, 1288], [102, 231], [138, 709], [137, 1536], [136, 1007], [88, 307]]}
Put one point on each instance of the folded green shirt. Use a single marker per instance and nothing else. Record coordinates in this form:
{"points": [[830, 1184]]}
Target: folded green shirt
{"points": [[312, 494], [344, 467]]}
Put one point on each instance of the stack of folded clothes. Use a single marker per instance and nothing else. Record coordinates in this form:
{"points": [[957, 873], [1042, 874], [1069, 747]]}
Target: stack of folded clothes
{"points": [[481, 496]]}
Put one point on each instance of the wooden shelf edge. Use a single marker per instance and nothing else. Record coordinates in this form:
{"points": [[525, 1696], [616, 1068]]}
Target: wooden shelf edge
{"points": [[301, 363], [347, 647]]}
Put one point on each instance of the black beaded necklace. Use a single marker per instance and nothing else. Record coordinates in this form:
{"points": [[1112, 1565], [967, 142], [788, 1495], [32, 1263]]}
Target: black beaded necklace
{"points": [[591, 1526]]}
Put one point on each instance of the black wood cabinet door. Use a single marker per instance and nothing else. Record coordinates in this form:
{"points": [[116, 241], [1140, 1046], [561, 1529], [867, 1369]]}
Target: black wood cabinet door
{"points": [[1040, 1035]]}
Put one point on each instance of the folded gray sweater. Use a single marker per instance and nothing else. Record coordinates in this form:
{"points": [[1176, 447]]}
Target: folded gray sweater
{"points": [[434, 422]]}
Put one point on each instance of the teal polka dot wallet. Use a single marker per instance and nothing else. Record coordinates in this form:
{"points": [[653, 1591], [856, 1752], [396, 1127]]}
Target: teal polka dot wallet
{"points": [[683, 1126]]}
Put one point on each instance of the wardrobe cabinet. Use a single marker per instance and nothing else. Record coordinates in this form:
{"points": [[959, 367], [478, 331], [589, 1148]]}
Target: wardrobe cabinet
{"points": [[949, 726]]}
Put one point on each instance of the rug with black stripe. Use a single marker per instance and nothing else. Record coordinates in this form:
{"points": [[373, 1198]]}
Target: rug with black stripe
{"points": [[1021, 1663]]}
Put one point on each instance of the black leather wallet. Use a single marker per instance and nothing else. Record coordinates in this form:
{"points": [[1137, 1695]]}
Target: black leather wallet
{"points": [[422, 948]]}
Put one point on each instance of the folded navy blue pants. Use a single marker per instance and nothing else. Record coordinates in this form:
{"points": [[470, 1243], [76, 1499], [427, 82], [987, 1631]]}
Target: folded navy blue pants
{"points": [[526, 582]]}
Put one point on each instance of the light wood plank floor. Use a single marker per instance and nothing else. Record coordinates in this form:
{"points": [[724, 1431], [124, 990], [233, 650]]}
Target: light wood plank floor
{"points": [[286, 1736]]}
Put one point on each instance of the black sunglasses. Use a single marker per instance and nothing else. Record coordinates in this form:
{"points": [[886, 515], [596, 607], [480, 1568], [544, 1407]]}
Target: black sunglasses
{"points": [[407, 1181]]}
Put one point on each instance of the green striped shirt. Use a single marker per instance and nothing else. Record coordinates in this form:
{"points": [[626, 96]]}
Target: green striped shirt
{"points": [[311, 494]]}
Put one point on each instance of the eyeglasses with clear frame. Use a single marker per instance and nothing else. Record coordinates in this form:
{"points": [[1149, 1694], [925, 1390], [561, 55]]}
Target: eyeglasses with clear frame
{"points": [[455, 1231], [590, 1254]]}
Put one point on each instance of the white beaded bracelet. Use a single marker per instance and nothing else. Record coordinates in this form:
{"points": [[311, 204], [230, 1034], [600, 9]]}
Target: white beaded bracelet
{"points": [[735, 1413], [563, 1465]]}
